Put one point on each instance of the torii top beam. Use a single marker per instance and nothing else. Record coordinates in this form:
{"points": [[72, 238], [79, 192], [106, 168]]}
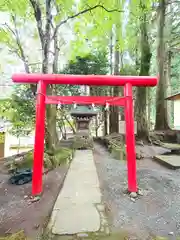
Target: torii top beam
{"points": [[91, 80]]}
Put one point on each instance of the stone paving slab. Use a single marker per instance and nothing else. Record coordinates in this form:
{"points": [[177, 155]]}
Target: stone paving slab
{"points": [[172, 161], [75, 208], [171, 146], [76, 219]]}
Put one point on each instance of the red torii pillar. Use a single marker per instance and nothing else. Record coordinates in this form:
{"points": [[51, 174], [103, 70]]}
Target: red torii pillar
{"points": [[92, 80]]}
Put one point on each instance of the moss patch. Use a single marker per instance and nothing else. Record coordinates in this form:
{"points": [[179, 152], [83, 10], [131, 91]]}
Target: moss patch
{"points": [[81, 142], [60, 156], [121, 235], [117, 149], [16, 236]]}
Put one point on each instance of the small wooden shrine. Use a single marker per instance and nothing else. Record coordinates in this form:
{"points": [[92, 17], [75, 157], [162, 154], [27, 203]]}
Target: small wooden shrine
{"points": [[83, 116]]}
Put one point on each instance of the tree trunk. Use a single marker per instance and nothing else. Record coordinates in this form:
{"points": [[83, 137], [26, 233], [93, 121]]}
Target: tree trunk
{"points": [[114, 110], [52, 136], [149, 107], [111, 53], [105, 121], [168, 59], [167, 77], [70, 124], [108, 92], [96, 126], [51, 131], [161, 104], [141, 92]]}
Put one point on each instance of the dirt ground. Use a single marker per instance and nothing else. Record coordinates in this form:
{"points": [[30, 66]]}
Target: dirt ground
{"points": [[154, 214], [16, 211]]}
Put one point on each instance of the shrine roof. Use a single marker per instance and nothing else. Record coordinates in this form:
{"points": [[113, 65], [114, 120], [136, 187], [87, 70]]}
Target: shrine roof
{"points": [[83, 110], [174, 97]]}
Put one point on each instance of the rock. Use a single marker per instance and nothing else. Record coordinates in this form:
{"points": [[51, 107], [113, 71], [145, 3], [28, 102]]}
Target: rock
{"points": [[82, 235], [25, 197], [139, 155], [107, 231], [35, 199], [133, 195], [19, 159], [102, 229], [103, 221], [140, 143], [156, 142], [133, 199], [101, 207], [140, 192], [36, 226]]}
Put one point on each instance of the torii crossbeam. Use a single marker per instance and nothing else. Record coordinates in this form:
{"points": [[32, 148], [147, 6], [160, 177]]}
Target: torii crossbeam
{"points": [[91, 80]]}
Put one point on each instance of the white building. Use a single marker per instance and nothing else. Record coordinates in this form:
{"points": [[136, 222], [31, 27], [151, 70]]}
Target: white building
{"points": [[176, 99], [11, 145]]}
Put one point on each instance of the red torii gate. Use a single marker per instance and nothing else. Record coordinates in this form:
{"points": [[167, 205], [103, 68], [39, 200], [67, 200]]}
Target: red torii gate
{"points": [[92, 80]]}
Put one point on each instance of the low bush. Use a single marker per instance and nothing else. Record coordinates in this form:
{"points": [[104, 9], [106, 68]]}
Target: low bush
{"points": [[60, 156]]}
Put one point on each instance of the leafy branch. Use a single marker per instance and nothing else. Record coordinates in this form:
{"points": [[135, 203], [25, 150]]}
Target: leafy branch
{"points": [[19, 50], [83, 12]]}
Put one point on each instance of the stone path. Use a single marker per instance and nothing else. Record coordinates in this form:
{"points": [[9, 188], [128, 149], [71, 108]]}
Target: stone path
{"points": [[172, 161], [76, 208]]}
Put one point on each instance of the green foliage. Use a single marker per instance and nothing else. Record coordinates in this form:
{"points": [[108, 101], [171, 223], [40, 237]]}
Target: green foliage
{"points": [[94, 28], [19, 110], [19, 7], [95, 63], [128, 70]]}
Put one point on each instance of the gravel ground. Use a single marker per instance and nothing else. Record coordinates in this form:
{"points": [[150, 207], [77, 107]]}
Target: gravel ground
{"points": [[16, 212], [157, 213]]}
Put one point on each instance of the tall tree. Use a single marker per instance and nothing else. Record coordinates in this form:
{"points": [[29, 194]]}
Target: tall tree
{"points": [[145, 62], [114, 110], [161, 104]]}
